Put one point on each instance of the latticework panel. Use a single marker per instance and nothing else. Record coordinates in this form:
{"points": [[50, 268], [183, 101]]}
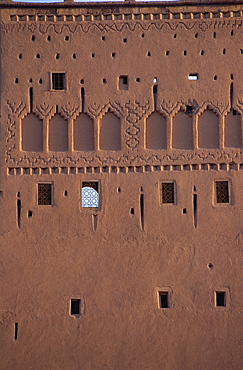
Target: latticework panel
{"points": [[45, 194], [90, 195], [167, 189], [222, 191]]}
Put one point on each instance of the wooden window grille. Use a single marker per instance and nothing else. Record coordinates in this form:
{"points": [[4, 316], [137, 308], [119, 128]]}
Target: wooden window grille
{"points": [[222, 192], [45, 194], [58, 81], [167, 192]]}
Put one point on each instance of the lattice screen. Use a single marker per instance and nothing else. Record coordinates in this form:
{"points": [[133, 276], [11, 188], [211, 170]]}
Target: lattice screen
{"points": [[222, 191], [45, 194], [167, 192]]}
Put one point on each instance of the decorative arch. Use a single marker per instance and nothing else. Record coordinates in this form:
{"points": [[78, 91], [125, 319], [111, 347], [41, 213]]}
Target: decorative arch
{"points": [[32, 133], [208, 130], [83, 133], [233, 130], [110, 132], [182, 131], [58, 133], [156, 137]]}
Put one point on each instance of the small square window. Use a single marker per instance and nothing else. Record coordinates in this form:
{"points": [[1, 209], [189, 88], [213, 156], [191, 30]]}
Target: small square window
{"points": [[222, 191], [45, 194], [168, 192], [90, 194], [123, 83], [220, 299], [58, 81], [163, 300], [193, 77], [75, 306]]}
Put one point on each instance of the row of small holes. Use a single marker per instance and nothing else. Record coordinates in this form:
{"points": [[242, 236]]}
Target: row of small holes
{"points": [[103, 38], [105, 80], [167, 53]]}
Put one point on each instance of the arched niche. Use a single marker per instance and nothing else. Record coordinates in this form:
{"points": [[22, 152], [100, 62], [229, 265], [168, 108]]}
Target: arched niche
{"points": [[83, 133], [156, 131], [32, 133], [232, 130], [182, 131], [208, 130], [110, 132], [58, 133]]}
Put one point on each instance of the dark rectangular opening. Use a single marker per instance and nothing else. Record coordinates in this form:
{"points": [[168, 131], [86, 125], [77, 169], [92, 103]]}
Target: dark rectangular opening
{"points": [[58, 81], [163, 300], [123, 82], [75, 306], [220, 299]]}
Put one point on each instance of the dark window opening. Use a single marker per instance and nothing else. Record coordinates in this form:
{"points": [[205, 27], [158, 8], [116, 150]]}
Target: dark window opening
{"points": [[163, 300], [58, 81], [45, 194], [220, 299], [222, 192], [123, 82], [132, 211], [30, 214], [167, 192], [75, 306], [193, 77]]}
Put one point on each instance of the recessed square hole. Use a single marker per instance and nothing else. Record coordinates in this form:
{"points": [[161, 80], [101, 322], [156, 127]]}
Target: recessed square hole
{"points": [[163, 300], [123, 83], [193, 77], [220, 299], [75, 306]]}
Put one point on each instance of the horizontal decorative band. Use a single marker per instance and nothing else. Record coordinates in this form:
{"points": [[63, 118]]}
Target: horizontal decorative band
{"points": [[126, 169]]}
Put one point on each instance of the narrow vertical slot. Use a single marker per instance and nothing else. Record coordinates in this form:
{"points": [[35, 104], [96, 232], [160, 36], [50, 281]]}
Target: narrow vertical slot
{"points": [[82, 98], [16, 331], [31, 98], [18, 212], [94, 221], [195, 210], [142, 210], [155, 92], [231, 94]]}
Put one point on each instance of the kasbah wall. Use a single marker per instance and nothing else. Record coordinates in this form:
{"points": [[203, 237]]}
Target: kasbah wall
{"points": [[121, 185]]}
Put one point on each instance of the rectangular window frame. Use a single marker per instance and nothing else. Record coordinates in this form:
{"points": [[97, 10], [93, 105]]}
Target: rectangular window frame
{"points": [[80, 307], [224, 290], [220, 204], [99, 192], [168, 292], [160, 193], [52, 192], [65, 81]]}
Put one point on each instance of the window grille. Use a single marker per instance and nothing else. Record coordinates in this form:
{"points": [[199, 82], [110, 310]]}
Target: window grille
{"points": [[222, 192], [58, 81], [167, 192], [44, 194], [90, 194]]}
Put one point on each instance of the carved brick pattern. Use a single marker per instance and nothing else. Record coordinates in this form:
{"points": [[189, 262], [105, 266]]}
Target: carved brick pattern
{"points": [[45, 110], [136, 112], [97, 111], [70, 110], [133, 112]]}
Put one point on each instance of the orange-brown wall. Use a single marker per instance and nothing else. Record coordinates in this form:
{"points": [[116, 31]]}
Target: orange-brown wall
{"points": [[116, 258]]}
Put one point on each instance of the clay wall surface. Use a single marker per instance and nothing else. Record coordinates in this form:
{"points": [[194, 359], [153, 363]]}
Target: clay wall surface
{"points": [[121, 185]]}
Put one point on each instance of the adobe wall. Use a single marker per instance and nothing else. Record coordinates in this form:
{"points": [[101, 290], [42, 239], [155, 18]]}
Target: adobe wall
{"points": [[141, 103]]}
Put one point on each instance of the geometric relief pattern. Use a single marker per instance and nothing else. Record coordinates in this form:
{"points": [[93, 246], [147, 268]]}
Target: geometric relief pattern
{"points": [[167, 192], [222, 192], [44, 194]]}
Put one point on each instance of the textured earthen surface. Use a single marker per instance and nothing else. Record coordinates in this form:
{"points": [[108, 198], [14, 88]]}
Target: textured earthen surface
{"points": [[147, 118]]}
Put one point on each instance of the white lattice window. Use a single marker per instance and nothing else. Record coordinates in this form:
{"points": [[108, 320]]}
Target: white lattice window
{"points": [[90, 194]]}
